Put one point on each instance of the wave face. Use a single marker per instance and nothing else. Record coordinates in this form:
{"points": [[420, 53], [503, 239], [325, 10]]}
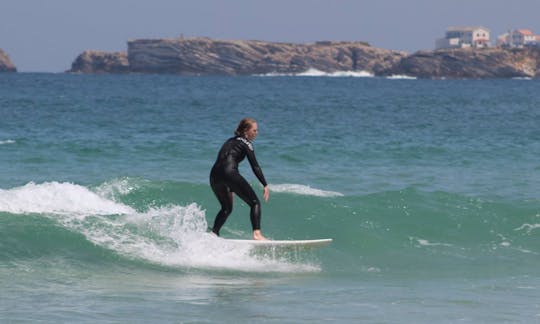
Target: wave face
{"points": [[144, 221], [438, 173], [69, 216]]}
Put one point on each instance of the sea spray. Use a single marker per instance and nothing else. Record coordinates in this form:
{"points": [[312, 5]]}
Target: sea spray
{"points": [[57, 198], [172, 235]]}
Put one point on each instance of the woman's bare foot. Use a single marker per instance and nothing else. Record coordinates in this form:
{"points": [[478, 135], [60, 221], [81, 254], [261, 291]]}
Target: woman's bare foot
{"points": [[257, 235]]}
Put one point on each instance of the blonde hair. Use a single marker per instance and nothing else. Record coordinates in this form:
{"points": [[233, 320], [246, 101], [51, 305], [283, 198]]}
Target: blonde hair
{"points": [[244, 125]]}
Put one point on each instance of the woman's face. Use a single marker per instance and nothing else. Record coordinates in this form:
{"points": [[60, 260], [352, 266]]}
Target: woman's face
{"points": [[252, 132]]}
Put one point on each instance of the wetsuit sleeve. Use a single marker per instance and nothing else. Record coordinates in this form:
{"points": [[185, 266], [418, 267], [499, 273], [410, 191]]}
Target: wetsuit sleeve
{"points": [[255, 167]]}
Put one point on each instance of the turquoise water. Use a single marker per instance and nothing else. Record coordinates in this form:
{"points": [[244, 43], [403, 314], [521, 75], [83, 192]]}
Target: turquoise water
{"points": [[429, 189]]}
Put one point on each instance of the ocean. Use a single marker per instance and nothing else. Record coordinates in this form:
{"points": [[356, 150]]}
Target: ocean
{"points": [[429, 188]]}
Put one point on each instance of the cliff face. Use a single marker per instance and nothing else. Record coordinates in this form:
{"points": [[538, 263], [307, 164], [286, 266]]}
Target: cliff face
{"points": [[203, 56], [5, 63], [471, 63], [100, 62]]}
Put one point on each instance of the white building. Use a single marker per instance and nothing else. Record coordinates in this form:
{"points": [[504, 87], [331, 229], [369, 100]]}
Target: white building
{"points": [[518, 38], [462, 37]]}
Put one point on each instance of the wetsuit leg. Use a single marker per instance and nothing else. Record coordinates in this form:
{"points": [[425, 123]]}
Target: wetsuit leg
{"points": [[223, 194], [242, 189]]}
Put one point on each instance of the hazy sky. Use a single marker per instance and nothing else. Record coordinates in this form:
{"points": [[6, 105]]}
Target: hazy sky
{"points": [[47, 35]]}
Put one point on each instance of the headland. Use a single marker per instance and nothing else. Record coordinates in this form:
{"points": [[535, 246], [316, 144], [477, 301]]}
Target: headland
{"points": [[205, 56]]}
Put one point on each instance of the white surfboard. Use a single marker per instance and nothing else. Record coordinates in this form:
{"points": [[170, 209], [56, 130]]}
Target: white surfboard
{"points": [[284, 243]]}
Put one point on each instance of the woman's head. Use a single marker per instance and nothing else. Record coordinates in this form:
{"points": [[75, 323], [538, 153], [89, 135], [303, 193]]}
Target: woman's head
{"points": [[247, 128]]}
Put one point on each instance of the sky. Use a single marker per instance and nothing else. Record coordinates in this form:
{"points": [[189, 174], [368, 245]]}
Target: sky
{"points": [[48, 35]]}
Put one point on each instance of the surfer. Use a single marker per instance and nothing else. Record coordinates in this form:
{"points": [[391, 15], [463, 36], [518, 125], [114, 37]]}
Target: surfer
{"points": [[225, 178]]}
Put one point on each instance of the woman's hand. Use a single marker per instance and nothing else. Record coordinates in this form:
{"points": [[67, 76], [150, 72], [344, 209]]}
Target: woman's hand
{"points": [[266, 193]]}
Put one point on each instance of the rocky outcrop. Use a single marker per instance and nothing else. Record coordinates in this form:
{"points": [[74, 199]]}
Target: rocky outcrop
{"points": [[100, 62], [5, 63], [471, 63], [203, 56]]}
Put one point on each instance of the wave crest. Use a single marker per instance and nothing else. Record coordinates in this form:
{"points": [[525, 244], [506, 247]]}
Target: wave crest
{"points": [[58, 198], [171, 235]]}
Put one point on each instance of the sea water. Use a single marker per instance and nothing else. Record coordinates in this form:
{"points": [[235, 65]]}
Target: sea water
{"points": [[429, 188]]}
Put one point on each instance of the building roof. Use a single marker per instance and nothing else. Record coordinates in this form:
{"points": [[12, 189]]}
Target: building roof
{"points": [[466, 28], [525, 32]]}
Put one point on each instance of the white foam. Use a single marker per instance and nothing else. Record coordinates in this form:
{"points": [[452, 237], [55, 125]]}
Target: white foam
{"points": [[58, 198], [176, 236], [317, 73], [169, 235], [401, 77], [528, 227], [117, 187], [424, 242], [303, 190], [7, 142]]}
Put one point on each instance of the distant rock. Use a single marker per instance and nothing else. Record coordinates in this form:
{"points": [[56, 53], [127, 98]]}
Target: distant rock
{"points": [[470, 63], [100, 62], [5, 63], [203, 56]]}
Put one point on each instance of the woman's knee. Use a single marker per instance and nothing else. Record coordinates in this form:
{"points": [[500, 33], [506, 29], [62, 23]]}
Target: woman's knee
{"points": [[255, 203], [226, 210]]}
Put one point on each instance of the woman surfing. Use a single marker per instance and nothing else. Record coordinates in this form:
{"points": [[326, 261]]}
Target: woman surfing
{"points": [[225, 179]]}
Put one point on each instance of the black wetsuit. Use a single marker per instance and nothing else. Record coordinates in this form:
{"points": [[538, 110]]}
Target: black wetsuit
{"points": [[225, 178]]}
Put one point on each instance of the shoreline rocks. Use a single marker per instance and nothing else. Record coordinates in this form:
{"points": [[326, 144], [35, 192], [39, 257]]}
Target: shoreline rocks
{"points": [[5, 63], [469, 63], [100, 62], [204, 56]]}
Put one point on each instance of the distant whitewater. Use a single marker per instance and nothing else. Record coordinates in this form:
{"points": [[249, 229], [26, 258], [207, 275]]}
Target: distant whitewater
{"points": [[9, 141], [337, 74], [401, 77], [318, 73]]}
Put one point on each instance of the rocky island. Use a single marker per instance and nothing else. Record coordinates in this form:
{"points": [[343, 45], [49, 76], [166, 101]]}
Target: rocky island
{"points": [[5, 63], [204, 56], [101, 62]]}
